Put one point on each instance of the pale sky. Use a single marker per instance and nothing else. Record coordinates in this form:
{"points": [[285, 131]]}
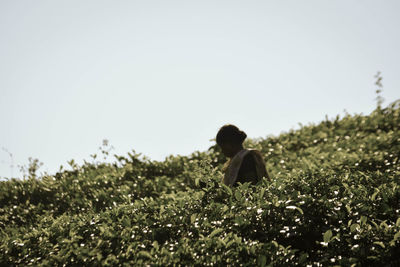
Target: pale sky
{"points": [[161, 77]]}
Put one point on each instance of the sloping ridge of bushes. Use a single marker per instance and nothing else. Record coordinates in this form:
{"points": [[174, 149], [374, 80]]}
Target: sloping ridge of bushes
{"points": [[334, 199]]}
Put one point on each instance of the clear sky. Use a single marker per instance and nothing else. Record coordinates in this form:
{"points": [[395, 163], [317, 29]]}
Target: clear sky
{"points": [[161, 77]]}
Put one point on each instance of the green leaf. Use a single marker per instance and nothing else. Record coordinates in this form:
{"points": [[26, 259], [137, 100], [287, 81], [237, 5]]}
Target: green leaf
{"points": [[215, 232], [396, 236], [374, 194], [229, 243], [193, 218], [275, 243], [262, 260], [327, 236], [155, 245], [225, 208], [145, 254], [363, 220], [354, 227], [375, 224], [294, 207], [238, 195], [261, 193], [227, 189], [380, 243], [126, 222], [303, 257], [348, 208]]}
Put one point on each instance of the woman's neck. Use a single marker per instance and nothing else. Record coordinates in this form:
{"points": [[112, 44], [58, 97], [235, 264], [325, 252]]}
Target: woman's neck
{"points": [[237, 150]]}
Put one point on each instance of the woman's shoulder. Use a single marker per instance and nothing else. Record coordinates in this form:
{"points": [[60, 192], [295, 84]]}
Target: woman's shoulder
{"points": [[251, 155], [248, 161], [248, 170], [254, 152]]}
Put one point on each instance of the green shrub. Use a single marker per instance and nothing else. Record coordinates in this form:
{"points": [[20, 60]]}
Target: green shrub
{"points": [[334, 199]]}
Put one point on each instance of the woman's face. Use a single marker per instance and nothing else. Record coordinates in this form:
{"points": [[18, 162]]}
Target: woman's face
{"points": [[228, 150]]}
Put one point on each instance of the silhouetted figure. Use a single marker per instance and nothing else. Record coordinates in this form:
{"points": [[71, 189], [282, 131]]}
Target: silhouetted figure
{"points": [[244, 165]]}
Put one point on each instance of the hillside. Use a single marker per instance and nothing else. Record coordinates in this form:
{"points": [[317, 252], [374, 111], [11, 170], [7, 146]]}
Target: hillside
{"points": [[334, 199]]}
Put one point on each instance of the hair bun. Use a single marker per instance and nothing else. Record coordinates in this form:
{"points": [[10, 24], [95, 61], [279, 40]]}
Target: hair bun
{"points": [[243, 135]]}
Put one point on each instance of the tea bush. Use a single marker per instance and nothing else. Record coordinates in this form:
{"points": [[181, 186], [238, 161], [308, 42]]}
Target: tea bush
{"points": [[334, 199]]}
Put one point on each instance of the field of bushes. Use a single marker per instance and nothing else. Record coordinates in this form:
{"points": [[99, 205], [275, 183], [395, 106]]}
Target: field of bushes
{"points": [[334, 199]]}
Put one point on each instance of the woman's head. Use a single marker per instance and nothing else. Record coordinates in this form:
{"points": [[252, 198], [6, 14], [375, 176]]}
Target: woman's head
{"points": [[230, 139]]}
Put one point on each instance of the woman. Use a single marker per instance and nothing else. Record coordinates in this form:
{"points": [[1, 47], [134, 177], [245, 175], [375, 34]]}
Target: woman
{"points": [[244, 165]]}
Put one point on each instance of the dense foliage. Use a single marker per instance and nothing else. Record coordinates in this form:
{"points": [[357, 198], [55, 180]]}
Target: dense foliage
{"points": [[333, 200]]}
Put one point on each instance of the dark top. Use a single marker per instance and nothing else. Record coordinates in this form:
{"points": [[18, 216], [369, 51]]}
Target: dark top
{"points": [[247, 171]]}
